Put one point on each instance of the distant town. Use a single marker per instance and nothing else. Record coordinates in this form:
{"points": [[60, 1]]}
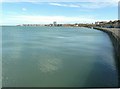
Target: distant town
{"points": [[105, 24]]}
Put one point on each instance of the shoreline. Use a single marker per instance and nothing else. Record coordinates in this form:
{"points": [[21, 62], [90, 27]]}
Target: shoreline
{"points": [[114, 34]]}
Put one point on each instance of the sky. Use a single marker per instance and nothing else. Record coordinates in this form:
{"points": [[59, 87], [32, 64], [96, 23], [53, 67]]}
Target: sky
{"points": [[34, 12]]}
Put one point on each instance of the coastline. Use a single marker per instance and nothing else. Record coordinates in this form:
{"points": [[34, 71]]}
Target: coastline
{"points": [[114, 34]]}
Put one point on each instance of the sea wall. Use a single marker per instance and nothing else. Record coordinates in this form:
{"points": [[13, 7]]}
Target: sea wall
{"points": [[114, 34]]}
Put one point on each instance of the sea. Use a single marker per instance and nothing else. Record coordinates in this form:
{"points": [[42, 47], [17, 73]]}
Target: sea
{"points": [[57, 57]]}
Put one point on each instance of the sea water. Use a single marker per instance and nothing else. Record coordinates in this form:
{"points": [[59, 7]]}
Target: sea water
{"points": [[57, 57]]}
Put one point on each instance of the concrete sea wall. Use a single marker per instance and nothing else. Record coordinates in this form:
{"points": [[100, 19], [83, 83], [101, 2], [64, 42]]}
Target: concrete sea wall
{"points": [[114, 34]]}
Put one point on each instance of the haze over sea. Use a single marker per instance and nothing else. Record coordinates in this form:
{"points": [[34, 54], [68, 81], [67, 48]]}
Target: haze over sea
{"points": [[57, 57]]}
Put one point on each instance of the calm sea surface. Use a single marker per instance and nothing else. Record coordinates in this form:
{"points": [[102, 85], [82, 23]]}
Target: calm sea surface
{"points": [[57, 57]]}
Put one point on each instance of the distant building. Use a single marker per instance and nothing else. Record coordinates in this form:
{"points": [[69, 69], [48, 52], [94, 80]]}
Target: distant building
{"points": [[54, 23], [67, 25], [100, 23], [76, 25], [110, 24]]}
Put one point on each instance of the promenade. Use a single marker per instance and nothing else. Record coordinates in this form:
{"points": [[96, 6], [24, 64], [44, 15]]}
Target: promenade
{"points": [[114, 34], [115, 31]]}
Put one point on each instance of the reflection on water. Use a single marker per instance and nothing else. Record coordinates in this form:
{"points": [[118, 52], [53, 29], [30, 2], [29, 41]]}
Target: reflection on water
{"points": [[49, 64], [57, 57]]}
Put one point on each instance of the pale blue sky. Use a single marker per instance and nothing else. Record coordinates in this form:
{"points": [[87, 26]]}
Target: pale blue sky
{"points": [[63, 12]]}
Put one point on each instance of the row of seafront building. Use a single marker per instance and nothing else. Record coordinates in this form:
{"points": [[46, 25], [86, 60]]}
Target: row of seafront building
{"points": [[102, 24], [110, 24], [105, 24], [54, 24]]}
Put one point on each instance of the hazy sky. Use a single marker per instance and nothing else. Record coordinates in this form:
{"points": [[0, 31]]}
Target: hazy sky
{"points": [[63, 12]]}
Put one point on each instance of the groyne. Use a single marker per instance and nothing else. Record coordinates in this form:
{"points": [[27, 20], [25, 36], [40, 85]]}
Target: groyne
{"points": [[114, 34]]}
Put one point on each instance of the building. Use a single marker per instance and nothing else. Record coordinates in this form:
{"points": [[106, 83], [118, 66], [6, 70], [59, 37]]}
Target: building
{"points": [[110, 24], [54, 23]]}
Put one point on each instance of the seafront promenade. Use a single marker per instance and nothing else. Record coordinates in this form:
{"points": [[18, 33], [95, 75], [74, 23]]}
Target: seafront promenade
{"points": [[115, 31], [114, 34]]}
